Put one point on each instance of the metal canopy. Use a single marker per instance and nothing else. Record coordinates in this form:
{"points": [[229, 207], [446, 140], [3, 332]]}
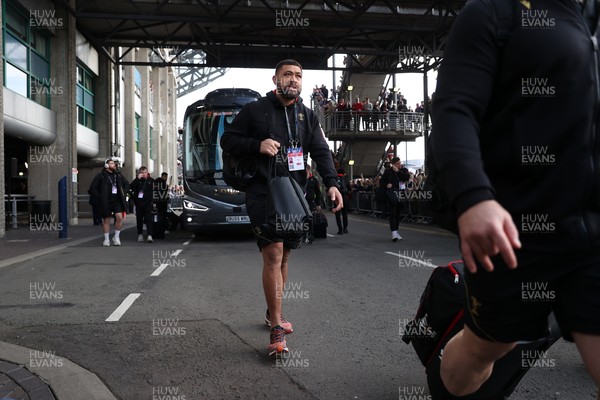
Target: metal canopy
{"points": [[402, 36]]}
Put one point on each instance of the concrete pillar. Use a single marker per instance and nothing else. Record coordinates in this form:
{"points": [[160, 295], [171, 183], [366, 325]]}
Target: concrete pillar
{"points": [[174, 126], [50, 163], [142, 55], [129, 118], [164, 107], [2, 164], [155, 80]]}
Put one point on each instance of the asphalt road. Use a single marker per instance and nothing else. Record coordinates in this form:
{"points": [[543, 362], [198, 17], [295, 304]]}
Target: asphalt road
{"points": [[195, 329]]}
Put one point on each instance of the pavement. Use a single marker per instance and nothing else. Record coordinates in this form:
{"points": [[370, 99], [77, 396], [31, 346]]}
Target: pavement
{"points": [[22, 373]]}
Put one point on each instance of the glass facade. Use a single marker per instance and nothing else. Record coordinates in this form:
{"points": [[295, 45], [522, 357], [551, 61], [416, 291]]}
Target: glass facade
{"points": [[26, 56], [85, 97]]}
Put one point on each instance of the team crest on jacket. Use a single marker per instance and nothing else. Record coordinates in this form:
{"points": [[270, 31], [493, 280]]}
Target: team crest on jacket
{"points": [[300, 117]]}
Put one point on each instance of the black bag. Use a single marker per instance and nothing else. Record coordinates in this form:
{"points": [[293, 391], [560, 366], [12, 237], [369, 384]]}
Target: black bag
{"points": [[440, 316], [158, 226], [287, 212], [393, 196], [319, 224], [238, 171]]}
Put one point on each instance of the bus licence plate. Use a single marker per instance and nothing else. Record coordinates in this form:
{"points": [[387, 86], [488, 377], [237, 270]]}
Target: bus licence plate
{"points": [[237, 218]]}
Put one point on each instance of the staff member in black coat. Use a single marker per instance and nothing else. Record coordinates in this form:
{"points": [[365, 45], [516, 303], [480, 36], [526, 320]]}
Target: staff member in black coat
{"points": [[391, 182], [108, 189], [142, 193]]}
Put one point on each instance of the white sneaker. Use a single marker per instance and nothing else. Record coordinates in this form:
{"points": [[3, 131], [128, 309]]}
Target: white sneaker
{"points": [[106, 243], [116, 241], [150, 239], [140, 238], [396, 236]]}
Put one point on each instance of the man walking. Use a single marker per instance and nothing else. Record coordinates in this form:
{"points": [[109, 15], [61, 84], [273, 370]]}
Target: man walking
{"points": [[392, 182], [142, 192], [295, 129], [108, 189], [510, 122]]}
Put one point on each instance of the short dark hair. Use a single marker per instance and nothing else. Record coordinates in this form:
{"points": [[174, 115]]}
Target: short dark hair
{"points": [[395, 160], [341, 171], [142, 168], [164, 174], [288, 61]]}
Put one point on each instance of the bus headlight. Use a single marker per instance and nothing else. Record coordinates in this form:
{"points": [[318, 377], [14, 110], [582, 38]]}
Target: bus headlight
{"points": [[190, 205]]}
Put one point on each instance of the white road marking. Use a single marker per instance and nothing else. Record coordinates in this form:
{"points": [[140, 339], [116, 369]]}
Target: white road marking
{"points": [[160, 269], [427, 264], [176, 252], [187, 242], [118, 313]]}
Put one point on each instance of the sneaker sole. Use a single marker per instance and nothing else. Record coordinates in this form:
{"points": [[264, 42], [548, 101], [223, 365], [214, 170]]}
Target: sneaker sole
{"points": [[285, 331], [274, 354]]}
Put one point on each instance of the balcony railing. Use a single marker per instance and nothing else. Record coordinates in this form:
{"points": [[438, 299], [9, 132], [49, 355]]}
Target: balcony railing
{"points": [[404, 125]]}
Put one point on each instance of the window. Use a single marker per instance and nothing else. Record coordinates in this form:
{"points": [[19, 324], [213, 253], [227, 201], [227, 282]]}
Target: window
{"points": [[137, 133], [137, 79], [85, 97], [26, 56]]}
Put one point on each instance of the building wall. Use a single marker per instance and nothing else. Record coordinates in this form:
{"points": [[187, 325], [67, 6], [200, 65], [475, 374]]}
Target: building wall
{"points": [[115, 105]]}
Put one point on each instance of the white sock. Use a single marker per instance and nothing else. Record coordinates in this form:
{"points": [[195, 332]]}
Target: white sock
{"points": [[106, 236], [117, 233]]}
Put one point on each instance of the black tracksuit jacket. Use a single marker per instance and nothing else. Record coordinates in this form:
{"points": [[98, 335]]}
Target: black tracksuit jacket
{"points": [[519, 124], [254, 122]]}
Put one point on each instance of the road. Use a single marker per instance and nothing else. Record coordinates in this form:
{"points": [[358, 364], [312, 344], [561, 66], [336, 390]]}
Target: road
{"points": [[193, 327]]}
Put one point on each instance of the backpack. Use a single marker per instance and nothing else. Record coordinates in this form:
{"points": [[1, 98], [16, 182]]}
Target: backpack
{"points": [[442, 210], [238, 171]]}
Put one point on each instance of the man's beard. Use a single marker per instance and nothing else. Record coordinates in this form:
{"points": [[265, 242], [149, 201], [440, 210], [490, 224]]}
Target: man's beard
{"points": [[286, 93]]}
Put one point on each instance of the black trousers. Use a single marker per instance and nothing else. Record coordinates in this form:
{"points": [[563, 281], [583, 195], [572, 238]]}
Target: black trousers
{"points": [[395, 211], [144, 215]]}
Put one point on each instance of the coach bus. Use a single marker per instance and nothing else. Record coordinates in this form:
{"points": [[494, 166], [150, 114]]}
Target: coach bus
{"points": [[209, 204]]}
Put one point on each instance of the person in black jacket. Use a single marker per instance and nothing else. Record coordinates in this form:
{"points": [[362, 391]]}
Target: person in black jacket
{"points": [[341, 216], [392, 182], [142, 191], [264, 129], [511, 120], [108, 189]]}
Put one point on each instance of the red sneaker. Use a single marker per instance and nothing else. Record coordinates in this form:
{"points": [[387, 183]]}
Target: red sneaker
{"points": [[278, 346], [285, 324]]}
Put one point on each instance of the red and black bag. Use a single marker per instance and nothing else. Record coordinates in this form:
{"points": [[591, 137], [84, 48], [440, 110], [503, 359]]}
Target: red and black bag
{"points": [[440, 316], [440, 311]]}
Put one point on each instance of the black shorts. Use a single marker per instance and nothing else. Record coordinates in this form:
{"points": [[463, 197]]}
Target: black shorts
{"points": [[115, 205], [265, 235], [511, 305]]}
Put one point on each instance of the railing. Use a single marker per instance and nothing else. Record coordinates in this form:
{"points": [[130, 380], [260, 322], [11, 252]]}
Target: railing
{"points": [[416, 208], [13, 211], [405, 123]]}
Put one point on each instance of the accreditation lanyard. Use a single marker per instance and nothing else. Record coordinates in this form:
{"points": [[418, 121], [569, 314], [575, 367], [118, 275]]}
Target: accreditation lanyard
{"points": [[295, 155], [141, 192], [113, 184]]}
